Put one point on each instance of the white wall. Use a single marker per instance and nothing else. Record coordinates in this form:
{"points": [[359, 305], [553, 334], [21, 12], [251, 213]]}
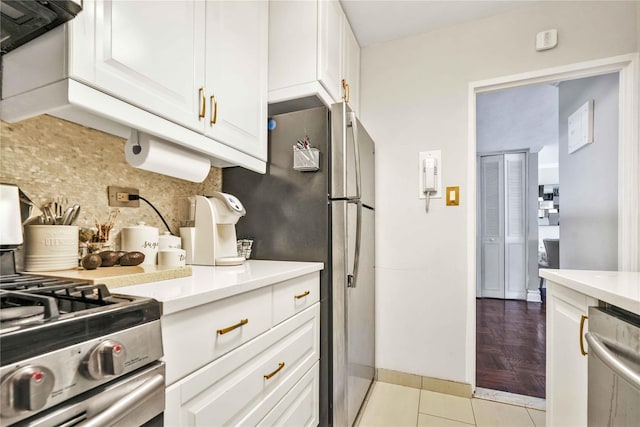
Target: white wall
{"points": [[589, 178], [414, 98], [548, 172]]}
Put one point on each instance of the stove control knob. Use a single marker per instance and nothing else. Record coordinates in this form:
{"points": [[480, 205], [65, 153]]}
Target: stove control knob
{"points": [[26, 389], [105, 360]]}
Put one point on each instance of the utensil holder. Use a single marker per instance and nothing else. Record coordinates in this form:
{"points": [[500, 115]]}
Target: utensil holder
{"points": [[306, 160]]}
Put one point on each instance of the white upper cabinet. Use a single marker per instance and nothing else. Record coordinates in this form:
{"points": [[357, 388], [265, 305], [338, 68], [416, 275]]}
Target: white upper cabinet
{"points": [[199, 64], [193, 72], [236, 74], [152, 55], [330, 27], [350, 68], [312, 51]]}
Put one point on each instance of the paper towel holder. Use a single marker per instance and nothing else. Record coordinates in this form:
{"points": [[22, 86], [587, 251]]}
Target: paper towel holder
{"points": [[137, 148], [155, 154]]}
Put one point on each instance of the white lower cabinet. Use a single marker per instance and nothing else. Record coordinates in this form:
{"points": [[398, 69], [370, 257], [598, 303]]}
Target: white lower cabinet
{"points": [[300, 407], [566, 391], [195, 337], [270, 379]]}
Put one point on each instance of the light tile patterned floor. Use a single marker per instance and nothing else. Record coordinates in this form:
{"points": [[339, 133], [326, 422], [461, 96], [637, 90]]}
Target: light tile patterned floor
{"points": [[398, 406]]}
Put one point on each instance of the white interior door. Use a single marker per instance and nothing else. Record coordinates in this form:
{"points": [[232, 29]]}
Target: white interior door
{"points": [[515, 236], [492, 226]]}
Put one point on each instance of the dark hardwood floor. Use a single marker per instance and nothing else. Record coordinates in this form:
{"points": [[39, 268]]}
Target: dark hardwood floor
{"points": [[510, 346]]}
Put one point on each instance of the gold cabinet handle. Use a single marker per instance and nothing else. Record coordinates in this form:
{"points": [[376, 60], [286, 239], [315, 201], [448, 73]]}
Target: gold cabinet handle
{"points": [[345, 91], [302, 295], [232, 327], [269, 376], [214, 110], [203, 102], [582, 319]]}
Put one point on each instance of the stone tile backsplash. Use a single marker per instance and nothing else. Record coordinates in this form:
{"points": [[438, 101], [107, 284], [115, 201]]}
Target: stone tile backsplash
{"points": [[48, 157]]}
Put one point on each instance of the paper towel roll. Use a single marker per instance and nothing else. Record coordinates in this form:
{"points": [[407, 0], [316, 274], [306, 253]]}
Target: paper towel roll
{"points": [[153, 154]]}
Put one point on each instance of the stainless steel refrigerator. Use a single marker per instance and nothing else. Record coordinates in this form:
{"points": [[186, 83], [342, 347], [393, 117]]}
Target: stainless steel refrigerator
{"points": [[327, 216]]}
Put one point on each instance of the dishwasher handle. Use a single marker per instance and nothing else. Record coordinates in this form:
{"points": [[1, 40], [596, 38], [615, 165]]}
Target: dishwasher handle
{"points": [[608, 357], [127, 404]]}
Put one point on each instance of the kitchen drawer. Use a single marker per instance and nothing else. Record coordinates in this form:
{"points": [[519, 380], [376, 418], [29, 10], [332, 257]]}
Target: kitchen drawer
{"points": [[300, 407], [233, 390], [292, 296], [195, 337]]}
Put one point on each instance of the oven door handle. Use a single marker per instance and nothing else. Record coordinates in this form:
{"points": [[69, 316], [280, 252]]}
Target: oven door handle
{"points": [[608, 357], [127, 404]]}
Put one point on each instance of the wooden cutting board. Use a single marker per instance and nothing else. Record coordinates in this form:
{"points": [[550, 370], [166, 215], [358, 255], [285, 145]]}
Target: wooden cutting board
{"points": [[115, 277]]}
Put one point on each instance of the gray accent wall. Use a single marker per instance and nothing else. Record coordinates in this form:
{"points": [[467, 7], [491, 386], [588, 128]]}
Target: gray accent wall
{"points": [[589, 178]]}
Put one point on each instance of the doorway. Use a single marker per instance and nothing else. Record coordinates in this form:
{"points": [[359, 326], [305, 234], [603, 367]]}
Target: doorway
{"points": [[510, 353]]}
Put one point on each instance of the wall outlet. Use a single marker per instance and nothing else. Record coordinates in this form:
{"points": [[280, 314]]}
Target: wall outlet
{"points": [[119, 197]]}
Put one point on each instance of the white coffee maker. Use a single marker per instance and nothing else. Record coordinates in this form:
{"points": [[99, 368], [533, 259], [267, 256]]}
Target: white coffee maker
{"points": [[215, 230]]}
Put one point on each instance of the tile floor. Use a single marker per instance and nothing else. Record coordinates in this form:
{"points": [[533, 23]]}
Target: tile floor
{"points": [[398, 406]]}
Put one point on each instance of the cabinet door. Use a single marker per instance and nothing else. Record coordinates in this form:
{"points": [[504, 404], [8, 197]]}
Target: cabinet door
{"points": [[236, 74], [566, 390], [300, 407], [330, 17], [151, 55], [351, 67]]}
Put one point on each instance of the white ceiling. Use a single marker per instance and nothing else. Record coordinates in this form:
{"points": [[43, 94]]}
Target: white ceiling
{"points": [[517, 118], [377, 21]]}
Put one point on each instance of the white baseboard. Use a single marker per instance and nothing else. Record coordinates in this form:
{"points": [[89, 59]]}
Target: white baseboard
{"points": [[533, 295]]}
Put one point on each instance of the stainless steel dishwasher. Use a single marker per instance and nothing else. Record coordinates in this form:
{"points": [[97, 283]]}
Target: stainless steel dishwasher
{"points": [[614, 367]]}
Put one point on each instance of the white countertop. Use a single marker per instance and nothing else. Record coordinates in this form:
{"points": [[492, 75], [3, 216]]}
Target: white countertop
{"points": [[619, 288], [208, 284]]}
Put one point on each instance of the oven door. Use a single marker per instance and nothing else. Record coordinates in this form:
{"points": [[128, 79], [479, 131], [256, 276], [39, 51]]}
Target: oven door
{"points": [[135, 399]]}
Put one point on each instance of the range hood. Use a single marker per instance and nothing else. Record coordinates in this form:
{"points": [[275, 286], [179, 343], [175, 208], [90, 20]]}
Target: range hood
{"points": [[23, 20]]}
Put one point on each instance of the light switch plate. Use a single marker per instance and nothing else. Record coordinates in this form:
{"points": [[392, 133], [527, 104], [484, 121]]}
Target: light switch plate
{"points": [[453, 196]]}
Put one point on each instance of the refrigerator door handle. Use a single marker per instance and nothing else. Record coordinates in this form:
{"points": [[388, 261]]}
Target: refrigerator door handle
{"points": [[352, 279], [356, 151]]}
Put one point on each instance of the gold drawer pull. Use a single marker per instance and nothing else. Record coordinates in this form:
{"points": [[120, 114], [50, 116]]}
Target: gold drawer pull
{"points": [[214, 110], [302, 295], [232, 327], [345, 90], [582, 319], [203, 102], [269, 376]]}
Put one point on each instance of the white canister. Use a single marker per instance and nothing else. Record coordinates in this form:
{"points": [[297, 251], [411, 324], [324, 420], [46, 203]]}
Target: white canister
{"points": [[169, 241], [172, 257], [188, 237], [141, 238], [50, 247]]}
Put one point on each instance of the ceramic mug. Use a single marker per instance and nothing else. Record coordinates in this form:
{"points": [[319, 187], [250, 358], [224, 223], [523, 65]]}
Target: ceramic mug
{"points": [[172, 257], [169, 241]]}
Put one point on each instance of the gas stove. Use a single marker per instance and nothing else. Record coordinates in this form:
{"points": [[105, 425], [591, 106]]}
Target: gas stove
{"points": [[64, 342]]}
